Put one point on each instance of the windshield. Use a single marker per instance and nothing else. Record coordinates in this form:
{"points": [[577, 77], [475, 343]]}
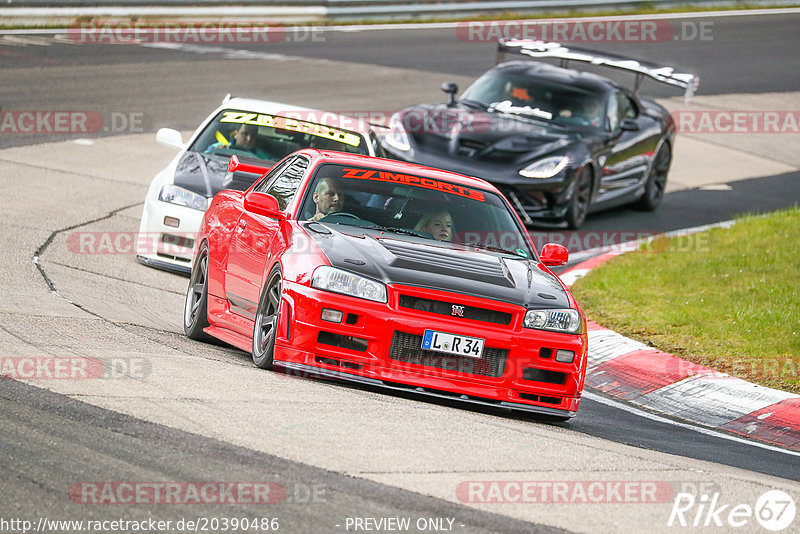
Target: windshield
{"points": [[415, 207], [271, 137], [530, 97]]}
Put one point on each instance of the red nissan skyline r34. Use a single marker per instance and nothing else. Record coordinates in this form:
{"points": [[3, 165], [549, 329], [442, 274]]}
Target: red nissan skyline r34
{"points": [[390, 274]]}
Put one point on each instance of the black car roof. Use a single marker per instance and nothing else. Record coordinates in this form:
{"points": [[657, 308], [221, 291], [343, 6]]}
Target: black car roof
{"points": [[582, 80]]}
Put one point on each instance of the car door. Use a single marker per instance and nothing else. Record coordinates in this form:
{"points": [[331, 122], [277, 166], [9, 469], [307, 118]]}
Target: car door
{"points": [[258, 239], [633, 137]]}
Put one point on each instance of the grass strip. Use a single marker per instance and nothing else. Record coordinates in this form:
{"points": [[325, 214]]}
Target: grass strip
{"points": [[726, 298]]}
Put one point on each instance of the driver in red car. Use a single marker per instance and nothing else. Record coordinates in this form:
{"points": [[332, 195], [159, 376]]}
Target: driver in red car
{"points": [[328, 197]]}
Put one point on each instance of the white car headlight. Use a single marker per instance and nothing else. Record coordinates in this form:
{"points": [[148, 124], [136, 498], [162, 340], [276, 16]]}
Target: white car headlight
{"points": [[183, 197], [566, 321], [545, 168], [397, 137], [347, 283]]}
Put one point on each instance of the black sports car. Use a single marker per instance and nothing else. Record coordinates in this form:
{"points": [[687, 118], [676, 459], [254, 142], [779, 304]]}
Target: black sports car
{"points": [[557, 142]]}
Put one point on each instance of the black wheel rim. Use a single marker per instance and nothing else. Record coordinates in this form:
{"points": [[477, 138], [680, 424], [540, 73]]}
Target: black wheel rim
{"points": [[582, 195], [194, 294], [658, 175], [268, 315]]}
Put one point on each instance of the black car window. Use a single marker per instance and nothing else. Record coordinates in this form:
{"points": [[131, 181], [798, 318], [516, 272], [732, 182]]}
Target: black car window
{"points": [[517, 92], [267, 180], [612, 113], [271, 137], [625, 107], [284, 187], [413, 207]]}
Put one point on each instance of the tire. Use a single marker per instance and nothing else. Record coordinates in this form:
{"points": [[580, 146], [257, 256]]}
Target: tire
{"points": [[581, 197], [266, 323], [195, 309], [656, 179]]}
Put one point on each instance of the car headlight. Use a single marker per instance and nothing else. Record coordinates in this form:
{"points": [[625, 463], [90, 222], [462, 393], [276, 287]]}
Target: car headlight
{"points": [[397, 137], [183, 197], [347, 283], [566, 321], [545, 168]]}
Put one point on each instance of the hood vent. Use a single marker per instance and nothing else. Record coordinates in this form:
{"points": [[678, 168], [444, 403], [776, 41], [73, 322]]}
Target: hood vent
{"points": [[433, 259]]}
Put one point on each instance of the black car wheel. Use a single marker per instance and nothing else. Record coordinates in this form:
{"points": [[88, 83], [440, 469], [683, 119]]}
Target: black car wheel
{"points": [[264, 331], [581, 196], [656, 179], [195, 310]]}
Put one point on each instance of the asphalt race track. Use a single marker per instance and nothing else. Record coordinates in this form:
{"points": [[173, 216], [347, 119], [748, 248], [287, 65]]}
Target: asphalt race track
{"points": [[172, 410]]}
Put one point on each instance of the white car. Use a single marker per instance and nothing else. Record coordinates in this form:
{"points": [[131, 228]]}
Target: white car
{"points": [[257, 131]]}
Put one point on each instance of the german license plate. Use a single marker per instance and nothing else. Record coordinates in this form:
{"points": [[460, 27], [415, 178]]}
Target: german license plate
{"points": [[452, 343]]}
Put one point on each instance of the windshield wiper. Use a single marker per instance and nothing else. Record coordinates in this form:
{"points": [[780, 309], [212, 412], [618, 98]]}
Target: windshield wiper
{"points": [[504, 251], [403, 231], [473, 103]]}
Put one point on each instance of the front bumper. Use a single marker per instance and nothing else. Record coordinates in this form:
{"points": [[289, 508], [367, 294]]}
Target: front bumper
{"points": [[534, 200], [365, 348], [309, 371], [166, 247]]}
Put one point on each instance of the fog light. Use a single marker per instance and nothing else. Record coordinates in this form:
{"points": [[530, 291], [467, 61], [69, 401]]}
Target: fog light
{"points": [[332, 316], [565, 356], [174, 222]]}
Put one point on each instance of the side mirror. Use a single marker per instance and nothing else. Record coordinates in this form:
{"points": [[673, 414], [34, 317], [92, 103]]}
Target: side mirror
{"points": [[263, 204], [629, 125], [451, 88], [169, 137], [554, 254]]}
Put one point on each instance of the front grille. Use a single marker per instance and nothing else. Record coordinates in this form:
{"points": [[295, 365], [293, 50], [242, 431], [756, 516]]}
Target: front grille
{"points": [[172, 257], [540, 398], [343, 342], [530, 203], [177, 241], [543, 375], [470, 147], [408, 348], [446, 308]]}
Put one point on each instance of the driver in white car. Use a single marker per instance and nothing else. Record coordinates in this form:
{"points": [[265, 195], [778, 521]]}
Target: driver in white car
{"points": [[244, 139]]}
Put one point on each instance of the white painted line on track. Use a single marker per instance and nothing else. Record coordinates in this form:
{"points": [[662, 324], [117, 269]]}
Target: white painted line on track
{"points": [[232, 12], [712, 400], [662, 16], [606, 345], [702, 430]]}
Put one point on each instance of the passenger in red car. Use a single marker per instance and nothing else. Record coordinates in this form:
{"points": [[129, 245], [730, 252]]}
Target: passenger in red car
{"points": [[437, 223], [328, 197]]}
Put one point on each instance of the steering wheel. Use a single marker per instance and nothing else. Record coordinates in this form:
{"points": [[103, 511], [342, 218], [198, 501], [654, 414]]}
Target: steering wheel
{"points": [[341, 214]]}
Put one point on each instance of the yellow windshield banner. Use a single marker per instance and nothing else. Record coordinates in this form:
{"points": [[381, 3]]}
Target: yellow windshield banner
{"points": [[294, 125]]}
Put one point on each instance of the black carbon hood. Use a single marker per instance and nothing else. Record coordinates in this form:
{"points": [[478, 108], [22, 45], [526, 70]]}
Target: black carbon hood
{"points": [[200, 173], [208, 176], [444, 266]]}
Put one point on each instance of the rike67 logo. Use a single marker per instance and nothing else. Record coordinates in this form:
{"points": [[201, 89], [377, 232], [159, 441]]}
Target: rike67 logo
{"points": [[775, 510]]}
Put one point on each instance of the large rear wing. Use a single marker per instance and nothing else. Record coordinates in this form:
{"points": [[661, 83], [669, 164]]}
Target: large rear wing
{"points": [[642, 69]]}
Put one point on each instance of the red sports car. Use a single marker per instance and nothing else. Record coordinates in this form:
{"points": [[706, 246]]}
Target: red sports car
{"points": [[390, 274]]}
